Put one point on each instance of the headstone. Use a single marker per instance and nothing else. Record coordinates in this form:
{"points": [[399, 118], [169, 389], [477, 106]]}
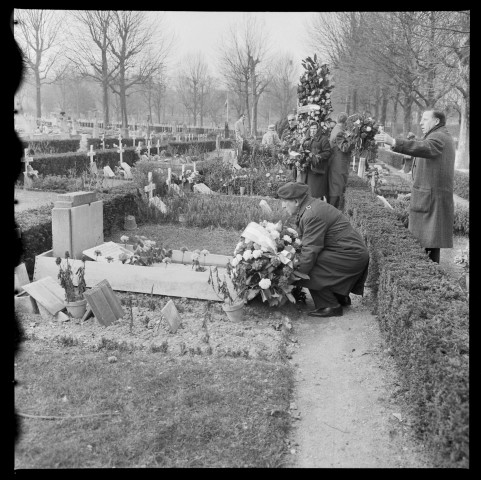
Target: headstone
{"points": [[158, 146], [77, 223], [362, 167], [172, 316], [104, 303], [265, 207], [126, 168], [48, 293], [108, 172], [21, 277], [202, 188], [158, 203], [169, 176]]}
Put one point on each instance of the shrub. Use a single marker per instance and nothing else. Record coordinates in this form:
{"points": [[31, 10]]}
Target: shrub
{"points": [[424, 318], [42, 147], [461, 184]]}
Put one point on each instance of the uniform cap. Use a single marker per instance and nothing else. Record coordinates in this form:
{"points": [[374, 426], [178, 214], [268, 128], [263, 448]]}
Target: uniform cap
{"points": [[292, 190]]}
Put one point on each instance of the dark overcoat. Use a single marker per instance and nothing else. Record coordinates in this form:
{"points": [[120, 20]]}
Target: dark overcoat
{"points": [[431, 210], [338, 171], [333, 253], [315, 176]]}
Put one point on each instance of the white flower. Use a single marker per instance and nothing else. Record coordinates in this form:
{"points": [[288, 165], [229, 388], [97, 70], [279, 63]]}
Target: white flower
{"points": [[275, 234], [286, 253], [357, 122], [368, 129], [268, 174], [257, 253], [264, 249], [287, 238], [292, 231], [281, 171], [239, 245], [265, 283], [297, 241], [239, 257], [124, 239], [247, 255], [234, 262]]}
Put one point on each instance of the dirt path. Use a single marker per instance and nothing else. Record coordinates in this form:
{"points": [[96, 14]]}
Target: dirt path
{"points": [[345, 396]]}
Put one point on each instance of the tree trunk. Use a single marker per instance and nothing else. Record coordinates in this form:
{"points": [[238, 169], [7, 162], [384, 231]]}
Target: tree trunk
{"points": [[462, 152], [348, 101], [408, 116], [354, 100], [384, 103], [39, 96]]}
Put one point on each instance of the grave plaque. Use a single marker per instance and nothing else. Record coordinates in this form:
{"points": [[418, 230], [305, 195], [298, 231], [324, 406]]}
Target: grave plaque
{"points": [[107, 249], [172, 316], [108, 172], [126, 168], [158, 203], [202, 188]]}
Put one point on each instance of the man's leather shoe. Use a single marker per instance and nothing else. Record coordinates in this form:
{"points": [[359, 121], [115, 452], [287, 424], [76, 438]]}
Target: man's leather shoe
{"points": [[327, 312], [345, 301]]}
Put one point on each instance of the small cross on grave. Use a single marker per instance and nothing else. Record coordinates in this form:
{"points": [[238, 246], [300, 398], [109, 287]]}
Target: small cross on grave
{"points": [[148, 147], [183, 169], [194, 168], [354, 162], [138, 148], [169, 176], [151, 137], [102, 137], [91, 154], [150, 187], [134, 137], [26, 159], [158, 147], [120, 149]]}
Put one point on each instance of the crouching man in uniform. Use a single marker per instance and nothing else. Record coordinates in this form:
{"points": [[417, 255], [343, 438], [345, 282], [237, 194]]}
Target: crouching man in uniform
{"points": [[333, 253]]}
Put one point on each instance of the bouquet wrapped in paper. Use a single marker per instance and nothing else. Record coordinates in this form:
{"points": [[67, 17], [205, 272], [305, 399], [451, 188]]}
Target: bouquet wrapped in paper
{"points": [[361, 130], [264, 264]]}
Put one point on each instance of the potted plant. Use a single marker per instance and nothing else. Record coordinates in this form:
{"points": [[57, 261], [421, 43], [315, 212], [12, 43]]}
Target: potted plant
{"points": [[74, 300], [233, 307]]}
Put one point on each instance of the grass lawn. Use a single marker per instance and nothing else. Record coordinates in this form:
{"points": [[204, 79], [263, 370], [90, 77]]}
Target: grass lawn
{"points": [[172, 412]]}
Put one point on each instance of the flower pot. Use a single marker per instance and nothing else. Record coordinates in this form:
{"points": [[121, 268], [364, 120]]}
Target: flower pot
{"points": [[129, 223], [242, 190], [77, 309], [235, 312]]}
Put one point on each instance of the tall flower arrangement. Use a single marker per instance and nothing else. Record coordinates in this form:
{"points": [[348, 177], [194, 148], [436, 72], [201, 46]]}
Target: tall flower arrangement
{"points": [[264, 264], [313, 104]]}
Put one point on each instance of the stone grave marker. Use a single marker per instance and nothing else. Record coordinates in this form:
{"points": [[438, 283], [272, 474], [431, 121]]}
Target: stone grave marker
{"points": [[172, 316], [149, 189], [158, 147], [127, 171], [91, 154], [120, 149], [108, 172], [47, 293], [104, 303], [158, 203], [265, 207], [202, 188], [21, 277], [77, 223]]}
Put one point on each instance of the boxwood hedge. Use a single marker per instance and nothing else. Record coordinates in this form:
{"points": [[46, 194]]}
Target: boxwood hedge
{"points": [[424, 317]]}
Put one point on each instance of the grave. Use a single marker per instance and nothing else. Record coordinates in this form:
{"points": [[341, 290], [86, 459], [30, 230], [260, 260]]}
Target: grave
{"points": [[77, 223], [203, 188], [77, 226], [108, 172]]}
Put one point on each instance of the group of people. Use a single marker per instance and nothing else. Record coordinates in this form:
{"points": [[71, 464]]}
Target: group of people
{"points": [[333, 253]]}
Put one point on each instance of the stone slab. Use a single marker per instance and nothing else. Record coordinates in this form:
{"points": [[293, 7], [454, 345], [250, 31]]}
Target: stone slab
{"points": [[104, 304], [77, 198], [21, 277], [202, 188], [172, 316], [76, 229], [47, 293], [24, 303], [174, 280]]}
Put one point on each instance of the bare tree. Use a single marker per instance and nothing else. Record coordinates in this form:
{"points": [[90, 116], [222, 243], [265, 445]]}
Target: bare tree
{"points": [[38, 35], [194, 85], [140, 51], [282, 89], [244, 56]]}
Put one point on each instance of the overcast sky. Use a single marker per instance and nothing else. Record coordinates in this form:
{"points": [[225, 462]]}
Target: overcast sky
{"points": [[203, 30]]}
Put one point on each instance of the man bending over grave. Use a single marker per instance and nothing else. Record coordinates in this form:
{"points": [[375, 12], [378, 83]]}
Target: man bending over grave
{"points": [[333, 253]]}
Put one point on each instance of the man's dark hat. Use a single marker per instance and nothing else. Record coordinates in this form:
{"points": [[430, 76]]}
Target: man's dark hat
{"points": [[292, 190]]}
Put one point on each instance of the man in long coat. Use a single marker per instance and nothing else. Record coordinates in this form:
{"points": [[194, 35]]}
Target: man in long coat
{"points": [[338, 170], [333, 253], [431, 209]]}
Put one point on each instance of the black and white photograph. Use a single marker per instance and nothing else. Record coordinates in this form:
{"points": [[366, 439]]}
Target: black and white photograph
{"points": [[241, 239]]}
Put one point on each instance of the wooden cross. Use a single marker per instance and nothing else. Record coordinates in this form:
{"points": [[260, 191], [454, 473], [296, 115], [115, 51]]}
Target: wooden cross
{"points": [[91, 154], [120, 149], [354, 162], [150, 187], [158, 147], [102, 137], [151, 136]]}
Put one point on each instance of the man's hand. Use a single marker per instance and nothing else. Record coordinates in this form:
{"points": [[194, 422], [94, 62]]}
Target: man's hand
{"points": [[384, 138]]}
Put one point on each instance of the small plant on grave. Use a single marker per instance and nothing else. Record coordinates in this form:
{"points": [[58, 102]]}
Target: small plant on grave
{"points": [[166, 260], [66, 276], [146, 252], [151, 302], [195, 262], [183, 250], [221, 287], [183, 348], [124, 239]]}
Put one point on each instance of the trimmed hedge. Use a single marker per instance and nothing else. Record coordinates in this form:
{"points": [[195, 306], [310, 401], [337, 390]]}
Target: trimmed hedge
{"points": [[424, 318], [78, 162], [42, 147]]}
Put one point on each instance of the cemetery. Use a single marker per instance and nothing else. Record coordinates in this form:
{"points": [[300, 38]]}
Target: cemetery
{"points": [[162, 313]]}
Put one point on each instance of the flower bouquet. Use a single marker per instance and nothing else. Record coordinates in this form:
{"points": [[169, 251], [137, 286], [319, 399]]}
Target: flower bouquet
{"points": [[361, 130], [264, 264]]}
